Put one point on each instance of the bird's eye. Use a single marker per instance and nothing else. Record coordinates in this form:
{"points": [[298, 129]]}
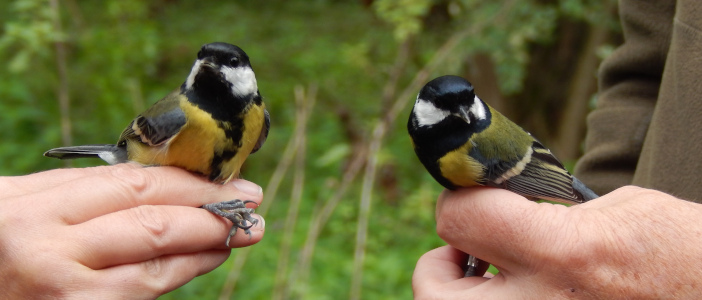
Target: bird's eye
{"points": [[234, 61]]}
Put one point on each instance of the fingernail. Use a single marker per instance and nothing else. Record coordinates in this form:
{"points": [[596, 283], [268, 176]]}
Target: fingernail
{"points": [[248, 187]]}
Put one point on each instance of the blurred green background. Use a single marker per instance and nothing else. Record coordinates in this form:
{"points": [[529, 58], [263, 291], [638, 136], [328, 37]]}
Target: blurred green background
{"points": [[349, 208]]}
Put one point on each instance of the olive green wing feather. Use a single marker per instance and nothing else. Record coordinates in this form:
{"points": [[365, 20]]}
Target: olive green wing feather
{"points": [[539, 176], [521, 164]]}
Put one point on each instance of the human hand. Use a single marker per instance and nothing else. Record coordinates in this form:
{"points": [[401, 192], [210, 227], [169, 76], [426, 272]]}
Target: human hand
{"points": [[632, 243], [112, 232]]}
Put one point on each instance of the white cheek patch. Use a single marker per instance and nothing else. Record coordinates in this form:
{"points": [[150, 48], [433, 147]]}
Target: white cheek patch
{"points": [[191, 77], [243, 80], [427, 114], [478, 109]]}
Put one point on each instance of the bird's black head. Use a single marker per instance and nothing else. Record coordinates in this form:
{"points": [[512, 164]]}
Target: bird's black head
{"points": [[448, 99], [222, 81], [224, 54], [447, 92], [222, 69]]}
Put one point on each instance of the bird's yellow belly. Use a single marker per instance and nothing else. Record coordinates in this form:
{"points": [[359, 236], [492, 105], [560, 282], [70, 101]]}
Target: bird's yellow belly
{"points": [[193, 148], [459, 168]]}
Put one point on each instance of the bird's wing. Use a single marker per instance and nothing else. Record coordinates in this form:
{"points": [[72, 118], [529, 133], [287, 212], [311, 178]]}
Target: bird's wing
{"points": [[525, 167], [264, 132], [159, 123], [542, 177]]}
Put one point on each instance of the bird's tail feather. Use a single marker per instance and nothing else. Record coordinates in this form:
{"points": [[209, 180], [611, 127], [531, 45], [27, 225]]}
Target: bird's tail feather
{"points": [[587, 194], [107, 152]]}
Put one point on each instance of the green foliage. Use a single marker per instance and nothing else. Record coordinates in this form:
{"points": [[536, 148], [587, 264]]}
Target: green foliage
{"points": [[405, 15], [507, 39], [125, 55], [30, 34], [594, 12]]}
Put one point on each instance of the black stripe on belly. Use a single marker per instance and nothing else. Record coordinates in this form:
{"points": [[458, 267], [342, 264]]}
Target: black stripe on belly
{"points": [[233, 132], [218, 160]]}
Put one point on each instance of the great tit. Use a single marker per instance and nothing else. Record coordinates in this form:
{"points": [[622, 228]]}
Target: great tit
{"points": [[463, 142], [209, 126]]}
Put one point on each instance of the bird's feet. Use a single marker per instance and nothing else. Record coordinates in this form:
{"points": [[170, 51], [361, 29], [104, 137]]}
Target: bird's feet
{"points": [[235, 211], [471, 266]]}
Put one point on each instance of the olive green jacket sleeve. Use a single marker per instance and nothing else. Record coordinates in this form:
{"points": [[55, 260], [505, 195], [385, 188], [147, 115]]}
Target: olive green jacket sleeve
{"points": [[647, 127]]}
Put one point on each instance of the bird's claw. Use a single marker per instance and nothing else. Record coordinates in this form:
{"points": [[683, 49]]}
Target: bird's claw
{"points": [[236, 212]]}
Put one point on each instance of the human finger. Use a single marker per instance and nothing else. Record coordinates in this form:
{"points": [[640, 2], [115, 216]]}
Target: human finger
{"points": [[155, 277], [122, 188], [442, 268], [439, 266], [497, 225], [19, 185], [149, 231]]}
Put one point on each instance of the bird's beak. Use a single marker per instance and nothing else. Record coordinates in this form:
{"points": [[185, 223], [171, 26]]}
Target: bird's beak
{"points": [[463, 114], [208, 62]]}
